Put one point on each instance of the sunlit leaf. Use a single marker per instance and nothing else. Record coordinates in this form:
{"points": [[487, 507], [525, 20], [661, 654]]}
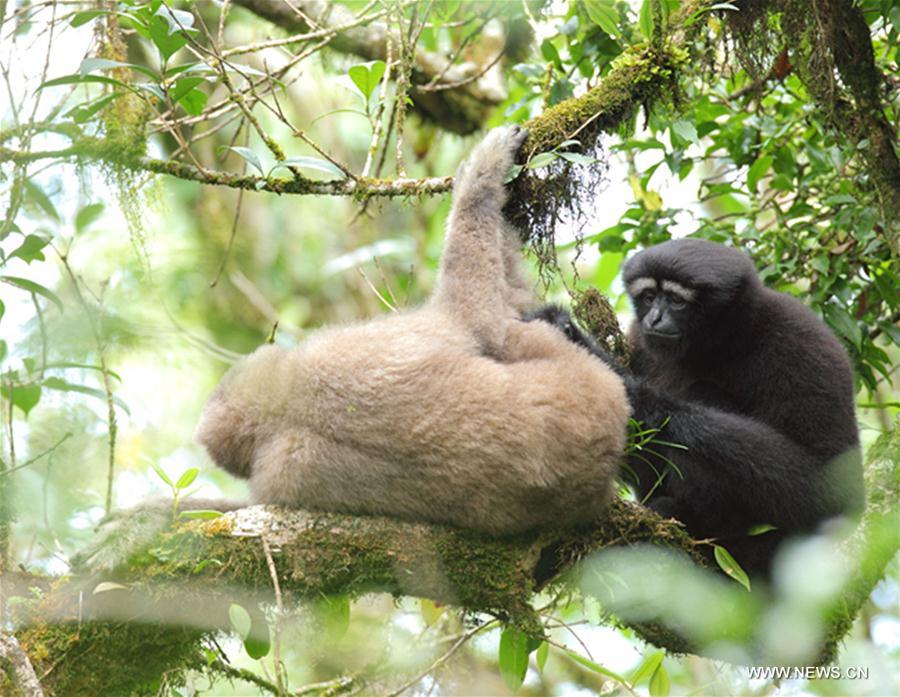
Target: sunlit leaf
{"points": [[645, 18], [165, 36], [647, 667], [542, 159], [33, 287], [30, 249], [306, 162], [25, 397], [513, 658], [596, 667], [367, 76], [37, 195], [578, 158], [541, 655], [249, 156], [186, 479], [757, 170], [54, 383], [200, 514], [161, 473], [604, 15], [90, 65], [85, 111], [194, 102], [87, 216], [729, 565], [659, 682], [685, 130], [240, 620]]}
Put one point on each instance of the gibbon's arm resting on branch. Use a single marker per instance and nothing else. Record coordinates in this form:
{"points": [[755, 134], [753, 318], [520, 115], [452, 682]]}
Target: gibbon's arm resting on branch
{"points": [[459, 412]]}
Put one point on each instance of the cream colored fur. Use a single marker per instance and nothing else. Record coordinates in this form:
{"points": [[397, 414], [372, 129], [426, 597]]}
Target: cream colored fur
{"points": [[457, 412]]}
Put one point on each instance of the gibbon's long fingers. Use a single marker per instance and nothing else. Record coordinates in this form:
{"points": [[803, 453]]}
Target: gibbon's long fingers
{"points": [[472, 283]]}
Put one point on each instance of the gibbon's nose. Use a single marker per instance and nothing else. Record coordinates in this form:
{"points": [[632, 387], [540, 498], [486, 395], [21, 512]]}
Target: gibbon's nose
{"points": [[654, 316]]}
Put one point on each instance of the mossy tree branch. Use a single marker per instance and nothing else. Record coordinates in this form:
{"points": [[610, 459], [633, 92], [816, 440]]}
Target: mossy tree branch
{"points": [[461, 109], [176, 587]]}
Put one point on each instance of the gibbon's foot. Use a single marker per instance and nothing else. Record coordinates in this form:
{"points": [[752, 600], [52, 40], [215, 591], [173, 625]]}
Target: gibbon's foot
{"points": [[488, 165]]}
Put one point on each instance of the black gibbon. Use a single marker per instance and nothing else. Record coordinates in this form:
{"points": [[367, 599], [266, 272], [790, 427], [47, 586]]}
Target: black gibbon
{"points": [[754, 386], [459, 412]]}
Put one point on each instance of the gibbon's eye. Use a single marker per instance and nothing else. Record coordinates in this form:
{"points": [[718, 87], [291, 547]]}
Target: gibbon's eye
{"points": [[648, 296], [677, 302]]}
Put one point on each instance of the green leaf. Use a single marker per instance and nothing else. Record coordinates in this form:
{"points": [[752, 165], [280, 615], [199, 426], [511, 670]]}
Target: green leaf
{"points": [[194, 102], [37, 196], [513, 658], [366, 77], [843, 323], [161, 473], [240, 620], [186, 479], [85, 16], [540, 656], [30, 249], [83, 366], [4, 349], [25, 397], [87, 216], [248, 155], [647, 667], [90, 65], [685, 130], [258, 646], [729, 565], [645, 19], [2, 309], [177, 20], [84, 111], [33, 287], [167, 39], [578, 158], [757, 170], [306, 162], [183, 86], [660, 683], [54, 383], [604, 15], [84, 79], [200, 514], [760, 529], [596, 667], [513, 172], [542, 159]]}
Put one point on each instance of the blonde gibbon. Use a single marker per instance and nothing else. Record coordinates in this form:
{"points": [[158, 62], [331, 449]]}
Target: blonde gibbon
{"points": [[459, 412]]}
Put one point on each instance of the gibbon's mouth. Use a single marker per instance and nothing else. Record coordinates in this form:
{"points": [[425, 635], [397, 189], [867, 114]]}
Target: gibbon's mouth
{"points": [[668, 336]]}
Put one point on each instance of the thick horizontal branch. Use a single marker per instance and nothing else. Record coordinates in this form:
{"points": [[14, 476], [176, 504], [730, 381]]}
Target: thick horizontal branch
{"points": [[163, 592]]}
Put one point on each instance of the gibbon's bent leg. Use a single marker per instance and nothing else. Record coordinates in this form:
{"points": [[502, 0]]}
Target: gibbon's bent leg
{"points": [[472, 281]]}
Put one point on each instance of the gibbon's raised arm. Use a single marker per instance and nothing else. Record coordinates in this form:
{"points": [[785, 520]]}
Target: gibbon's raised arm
{"points": [[458, 412]]}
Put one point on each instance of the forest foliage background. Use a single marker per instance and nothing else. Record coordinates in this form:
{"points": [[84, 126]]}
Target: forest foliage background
{"points": [[178, 178]]}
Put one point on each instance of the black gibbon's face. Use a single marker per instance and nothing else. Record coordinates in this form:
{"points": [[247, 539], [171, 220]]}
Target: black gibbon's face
{"points": [[664, 309]]}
